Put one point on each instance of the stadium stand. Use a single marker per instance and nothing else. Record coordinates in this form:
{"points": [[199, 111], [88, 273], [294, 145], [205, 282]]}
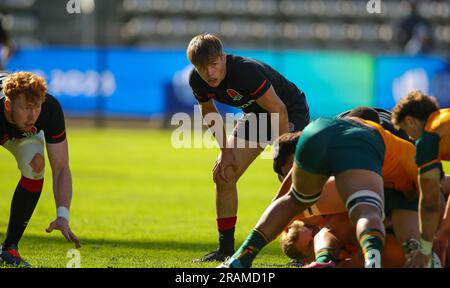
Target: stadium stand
{"points": [[276, 24]]}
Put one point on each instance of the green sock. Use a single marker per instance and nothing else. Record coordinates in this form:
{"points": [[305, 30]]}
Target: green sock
{"points": [[372, 244], [248, 251], [325, 255]]}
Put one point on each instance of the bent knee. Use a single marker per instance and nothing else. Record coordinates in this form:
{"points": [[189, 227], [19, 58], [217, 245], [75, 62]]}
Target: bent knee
{"points": [[37, 163], [35, 168], [230, 180]]}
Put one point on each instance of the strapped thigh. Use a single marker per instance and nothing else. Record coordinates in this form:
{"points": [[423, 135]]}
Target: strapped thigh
{"points": [[24, 150]]}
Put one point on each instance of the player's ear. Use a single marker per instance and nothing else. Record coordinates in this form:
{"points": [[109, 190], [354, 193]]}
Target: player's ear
{"points": [[7, 104], [411, 121]]}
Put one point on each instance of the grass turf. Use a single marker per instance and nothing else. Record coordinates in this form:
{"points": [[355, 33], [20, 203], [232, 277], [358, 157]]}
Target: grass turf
{"points": [[138, 202]]}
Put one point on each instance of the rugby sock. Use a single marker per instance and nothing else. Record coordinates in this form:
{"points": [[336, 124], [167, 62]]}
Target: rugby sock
{"points": [[372, 244], [226, 227], [23, 203], [325, 255], [251, 247]]}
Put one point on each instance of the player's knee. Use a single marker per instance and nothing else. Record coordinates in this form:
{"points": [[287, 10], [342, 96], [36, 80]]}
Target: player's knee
{"points": [[37, 163], [230, 180], [365, 204], [35, 168]]}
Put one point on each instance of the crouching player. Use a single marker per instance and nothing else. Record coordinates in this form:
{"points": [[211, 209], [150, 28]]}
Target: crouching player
{"points": [[399, 176], [334, 226], [419, 115], [353, 151], [28, 115]]}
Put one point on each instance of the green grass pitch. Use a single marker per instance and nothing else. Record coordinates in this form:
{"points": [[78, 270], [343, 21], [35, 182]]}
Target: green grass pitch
{"points": [[137, 202]]}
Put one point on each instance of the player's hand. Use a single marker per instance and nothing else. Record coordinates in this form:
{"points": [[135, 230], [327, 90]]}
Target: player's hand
{"points": [[225, 160], [63, 225], [418, 260], [440, 245]]}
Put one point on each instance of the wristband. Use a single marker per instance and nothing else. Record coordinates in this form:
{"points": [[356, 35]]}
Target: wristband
{"points": [[425, 246], [63, 212]]}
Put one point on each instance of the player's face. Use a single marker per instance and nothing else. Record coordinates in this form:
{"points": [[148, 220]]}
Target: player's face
{"points": [[413, 127], [214, 72], [23, 113], [305, 241]]}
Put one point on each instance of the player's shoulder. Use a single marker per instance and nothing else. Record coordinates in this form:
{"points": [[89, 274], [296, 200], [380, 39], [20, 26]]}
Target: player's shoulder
{"points": [[194, 77], [50, 99], [238, 63], [51, 103], [243, 70], [437, 119]]}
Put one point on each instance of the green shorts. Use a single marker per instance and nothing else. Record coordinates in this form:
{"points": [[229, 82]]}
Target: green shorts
{"points": [[331, 146], [396, 200]]}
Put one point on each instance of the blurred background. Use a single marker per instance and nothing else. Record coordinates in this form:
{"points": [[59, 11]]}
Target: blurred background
{"points": [[125, 59]]}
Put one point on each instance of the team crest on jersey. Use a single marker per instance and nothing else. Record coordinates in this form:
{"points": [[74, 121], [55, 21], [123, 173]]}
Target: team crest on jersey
{"points": [[32, 132], [236, 96]]}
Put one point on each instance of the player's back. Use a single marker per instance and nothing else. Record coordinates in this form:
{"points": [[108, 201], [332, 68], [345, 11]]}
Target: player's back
{"points": [[439, 123], [288, 92], [398, 161]]}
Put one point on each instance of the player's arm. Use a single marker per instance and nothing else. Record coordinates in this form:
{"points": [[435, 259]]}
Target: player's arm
{"points": [[62, 177], [285, 186], [444, 228], [270, 102], [62, 188], [445, 185], [427, 159], [442, 236], [214, 121], [429, 203], [406, 154]]}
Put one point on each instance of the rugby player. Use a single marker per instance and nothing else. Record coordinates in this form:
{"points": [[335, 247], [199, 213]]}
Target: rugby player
{"points": [[333, 244], [351, 149], [429, 126], [398, 208], [261, 92], [28, 115]]}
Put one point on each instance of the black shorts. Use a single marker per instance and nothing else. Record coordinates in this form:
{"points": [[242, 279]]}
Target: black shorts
{"points": [[257, 128], [396, 200]]}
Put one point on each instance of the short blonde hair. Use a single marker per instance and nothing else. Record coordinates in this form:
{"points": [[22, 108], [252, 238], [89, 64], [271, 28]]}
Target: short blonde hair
{"points": [[289, 238], [30, 85], [203, 48]]}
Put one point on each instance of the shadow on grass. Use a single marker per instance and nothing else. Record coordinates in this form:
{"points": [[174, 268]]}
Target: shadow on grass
{"points": [[110, 252], [98, 243]]}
